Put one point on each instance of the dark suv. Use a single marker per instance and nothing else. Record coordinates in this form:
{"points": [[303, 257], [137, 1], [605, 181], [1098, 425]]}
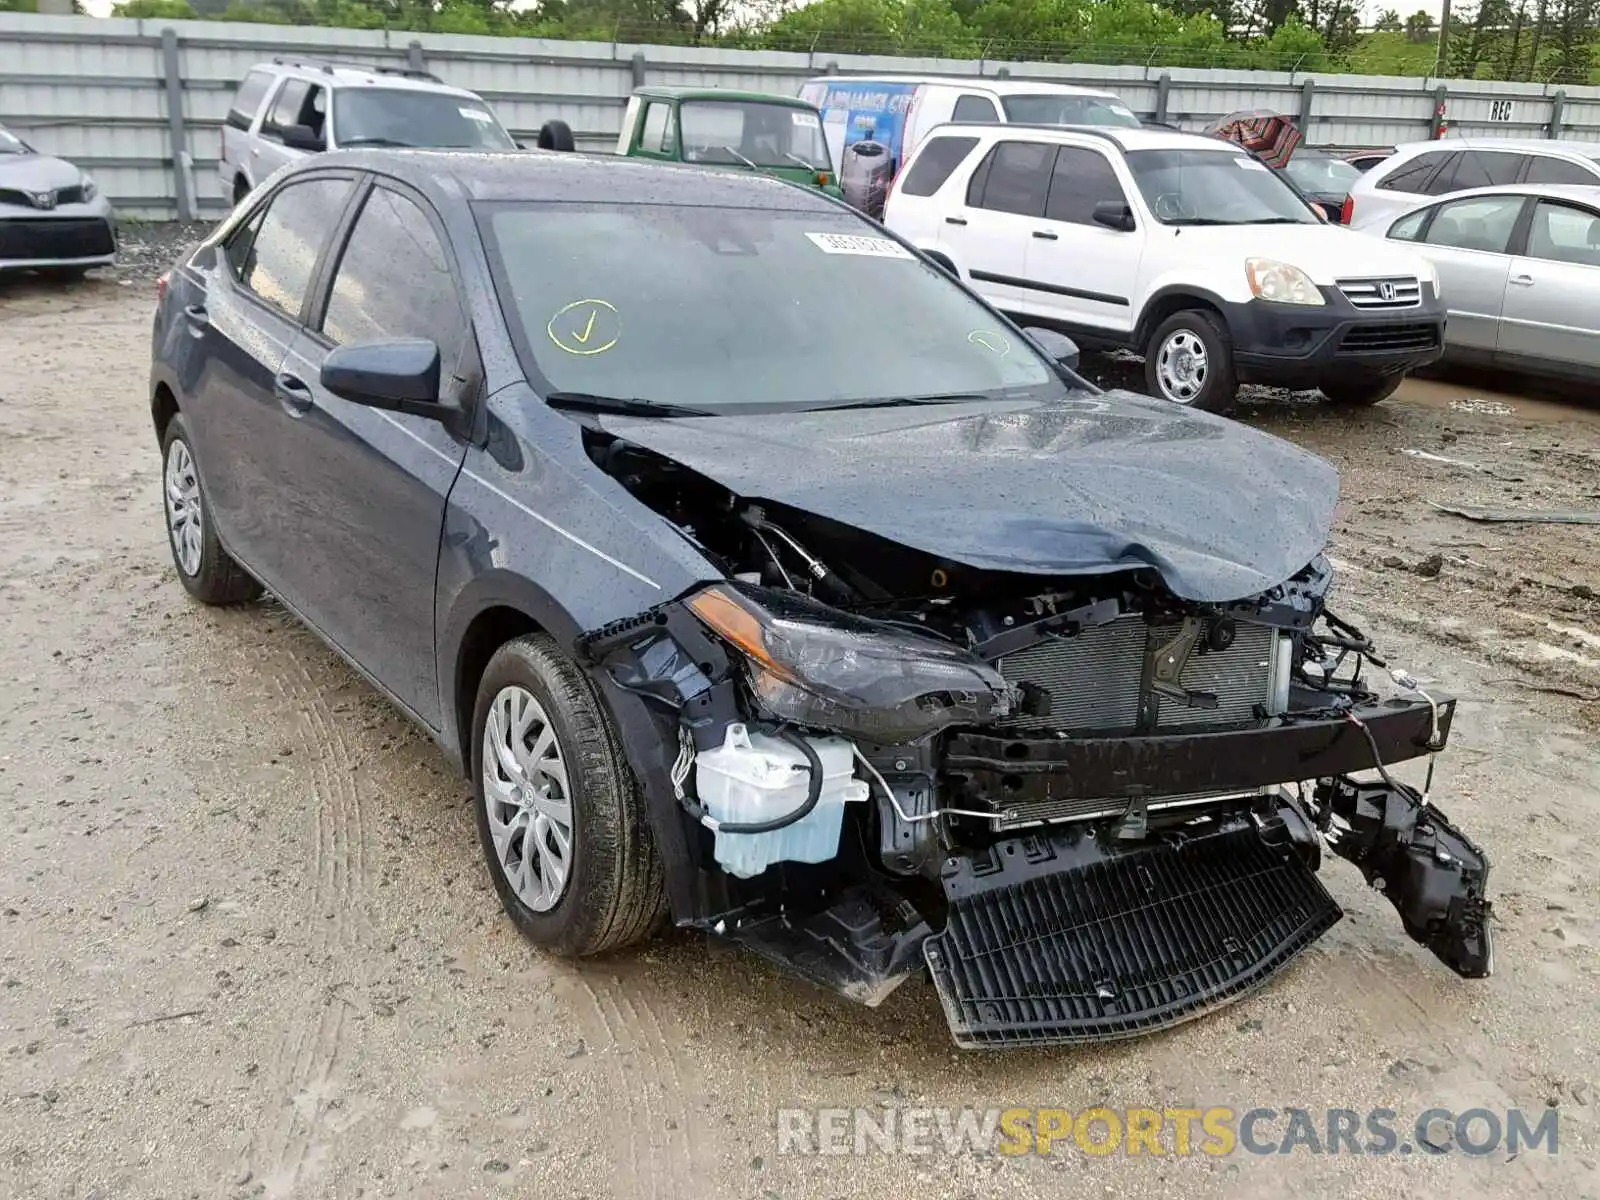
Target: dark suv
{"points": [[760, 574]]}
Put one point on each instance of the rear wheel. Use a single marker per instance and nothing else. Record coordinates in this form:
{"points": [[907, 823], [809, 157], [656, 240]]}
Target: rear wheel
{"points": [[561, 819], [1189, 360], [207, 571], [1361, 389]]}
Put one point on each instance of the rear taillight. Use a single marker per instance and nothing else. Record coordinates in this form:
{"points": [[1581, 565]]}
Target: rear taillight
{"points": [[161, 285], [1347, 210]]}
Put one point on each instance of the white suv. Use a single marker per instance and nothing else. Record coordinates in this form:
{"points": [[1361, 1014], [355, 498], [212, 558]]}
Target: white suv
{"points": [[291, 107], [1181, 247], [1420, 170]]}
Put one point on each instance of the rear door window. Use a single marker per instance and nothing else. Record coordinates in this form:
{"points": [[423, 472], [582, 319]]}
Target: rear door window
{"points": [[937, 160], [282, 256], [1413, 176], [247, 100], [1544, 169], [1565, 234], [1481, 168], [1017, 179], [286, 109]]}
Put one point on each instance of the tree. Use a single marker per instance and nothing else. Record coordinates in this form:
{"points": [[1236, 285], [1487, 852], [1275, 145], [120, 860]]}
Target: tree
{"points": [[1293, 46], [924, 27], [1419, 26], [1389, 21], [1121, 31]]}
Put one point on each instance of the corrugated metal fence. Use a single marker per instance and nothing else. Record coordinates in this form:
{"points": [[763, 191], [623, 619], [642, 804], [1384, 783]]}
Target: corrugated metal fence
{"points": [[141, 103]]}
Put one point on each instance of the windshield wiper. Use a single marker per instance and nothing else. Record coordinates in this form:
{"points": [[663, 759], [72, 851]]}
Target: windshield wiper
{"points": [[740, 157], [1200, 221], [623, 406], [377, 141], [795, 158], [1281, 221], [905, 401]]}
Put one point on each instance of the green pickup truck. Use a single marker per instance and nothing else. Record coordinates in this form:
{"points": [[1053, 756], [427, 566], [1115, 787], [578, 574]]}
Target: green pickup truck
{"points": [[739, 131]]}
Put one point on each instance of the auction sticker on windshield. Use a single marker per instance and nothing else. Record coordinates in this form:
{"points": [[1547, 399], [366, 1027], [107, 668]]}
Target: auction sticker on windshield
{"points": [[859, 243]]}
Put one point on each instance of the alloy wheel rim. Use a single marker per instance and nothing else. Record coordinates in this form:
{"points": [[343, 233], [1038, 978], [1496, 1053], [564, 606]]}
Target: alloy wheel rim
{"points": [[1182, 366], [185, 520], [527, 798]]}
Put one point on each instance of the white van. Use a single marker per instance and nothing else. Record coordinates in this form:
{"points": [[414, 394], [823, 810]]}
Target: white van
{"points": [[897, 111]]}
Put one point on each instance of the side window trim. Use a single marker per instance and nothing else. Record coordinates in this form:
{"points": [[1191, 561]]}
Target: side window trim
{"points": [[261, 119], [313, 288], [1521, 228], [978, 182]]}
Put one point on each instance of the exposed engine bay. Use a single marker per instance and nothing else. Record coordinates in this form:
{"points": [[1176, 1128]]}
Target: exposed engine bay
{"points": [[1088, 806]]}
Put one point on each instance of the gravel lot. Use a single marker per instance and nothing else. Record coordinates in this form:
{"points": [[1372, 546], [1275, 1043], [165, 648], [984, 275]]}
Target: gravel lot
{"points": [[248, 946]]}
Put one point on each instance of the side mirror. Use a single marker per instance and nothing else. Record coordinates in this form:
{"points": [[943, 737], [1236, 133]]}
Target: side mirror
{"points": [[1114, 214], [1055, 345], [400, 375], [300, 137]]}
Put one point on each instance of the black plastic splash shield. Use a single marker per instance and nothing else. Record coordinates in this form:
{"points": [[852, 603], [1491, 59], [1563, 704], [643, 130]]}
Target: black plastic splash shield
{"points": [[1058, 939]]}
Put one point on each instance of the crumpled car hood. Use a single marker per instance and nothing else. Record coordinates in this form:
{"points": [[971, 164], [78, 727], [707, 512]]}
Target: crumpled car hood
{"points": [[1087, 484]]}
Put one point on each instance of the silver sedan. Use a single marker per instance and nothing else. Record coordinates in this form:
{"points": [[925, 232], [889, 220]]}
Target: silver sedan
{"points": [[52, 215], [1519, 270]]}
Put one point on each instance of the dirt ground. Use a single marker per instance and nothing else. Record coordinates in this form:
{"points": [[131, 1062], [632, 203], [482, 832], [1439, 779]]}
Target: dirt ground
{"points": [[248, 946]]}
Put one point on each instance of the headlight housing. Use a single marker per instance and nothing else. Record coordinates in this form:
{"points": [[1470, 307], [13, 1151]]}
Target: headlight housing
{"points": [[1280, 282], [89, 188], [817, 666]]}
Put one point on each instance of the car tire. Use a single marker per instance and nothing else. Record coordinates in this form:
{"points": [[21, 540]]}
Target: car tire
{"points": [[556, 135], [208, 572], [546, 761], [1189, 360], [1361, 391]]}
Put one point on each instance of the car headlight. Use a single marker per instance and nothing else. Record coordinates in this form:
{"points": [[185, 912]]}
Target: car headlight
{"points": [[1280, 283], [90, 189], [817, 666]]}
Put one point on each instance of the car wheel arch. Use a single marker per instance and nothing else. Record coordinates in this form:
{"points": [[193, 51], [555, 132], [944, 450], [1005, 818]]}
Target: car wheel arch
{"points": [[163, 407], [1168, 301], [943, 261]]}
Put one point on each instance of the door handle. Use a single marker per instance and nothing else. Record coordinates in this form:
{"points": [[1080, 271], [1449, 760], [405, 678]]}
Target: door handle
{"points": [[955, 220], [196, 314], [1522, 280], [293, 391], [1043, 236]]}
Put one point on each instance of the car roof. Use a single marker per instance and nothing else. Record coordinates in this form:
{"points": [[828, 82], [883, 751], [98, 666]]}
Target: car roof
{"points": [[547, 175], [1125, 138], [335, 74], [1521, 145], [669, 92], [1577, 192], [1000, 87]]}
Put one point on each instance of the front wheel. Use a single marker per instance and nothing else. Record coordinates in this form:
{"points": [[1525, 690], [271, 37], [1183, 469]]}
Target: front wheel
{"points": [[1362, 389], [1189, 360], [561, 819]]}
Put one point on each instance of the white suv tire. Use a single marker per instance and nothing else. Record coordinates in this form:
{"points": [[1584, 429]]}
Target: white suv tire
{"points": [[1188, 360]]}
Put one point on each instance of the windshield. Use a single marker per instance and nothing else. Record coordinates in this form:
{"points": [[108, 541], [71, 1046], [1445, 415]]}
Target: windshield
{"points": [[10, 143], [1321, 174], [391, 117], [750, 133], [707, 307], [1049, 109], [1215, 187]]}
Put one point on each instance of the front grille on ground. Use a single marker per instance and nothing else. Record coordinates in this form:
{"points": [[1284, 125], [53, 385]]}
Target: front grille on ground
{"points": [[1051, 940], [1396, 292], [1365, 339], [1094, 679], [55, 238]]}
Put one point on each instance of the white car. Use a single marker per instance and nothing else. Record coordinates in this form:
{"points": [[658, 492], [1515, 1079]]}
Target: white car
{"points": [[1181, 247], [1419, 171], [289, 108]]}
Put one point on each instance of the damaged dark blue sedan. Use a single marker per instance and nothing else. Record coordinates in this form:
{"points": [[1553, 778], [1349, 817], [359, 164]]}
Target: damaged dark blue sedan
{"points": [[763, 579]]}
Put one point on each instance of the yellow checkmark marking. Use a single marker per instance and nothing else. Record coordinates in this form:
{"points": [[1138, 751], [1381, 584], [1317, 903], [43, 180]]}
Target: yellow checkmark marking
{"points": [[564, 333]]}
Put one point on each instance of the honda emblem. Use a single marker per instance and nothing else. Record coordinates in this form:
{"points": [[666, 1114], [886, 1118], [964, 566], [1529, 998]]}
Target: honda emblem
{"points": [[1386, 291]]}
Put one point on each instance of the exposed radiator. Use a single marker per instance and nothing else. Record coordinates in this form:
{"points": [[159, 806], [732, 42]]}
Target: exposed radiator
{"points": [[1093, 679]]}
